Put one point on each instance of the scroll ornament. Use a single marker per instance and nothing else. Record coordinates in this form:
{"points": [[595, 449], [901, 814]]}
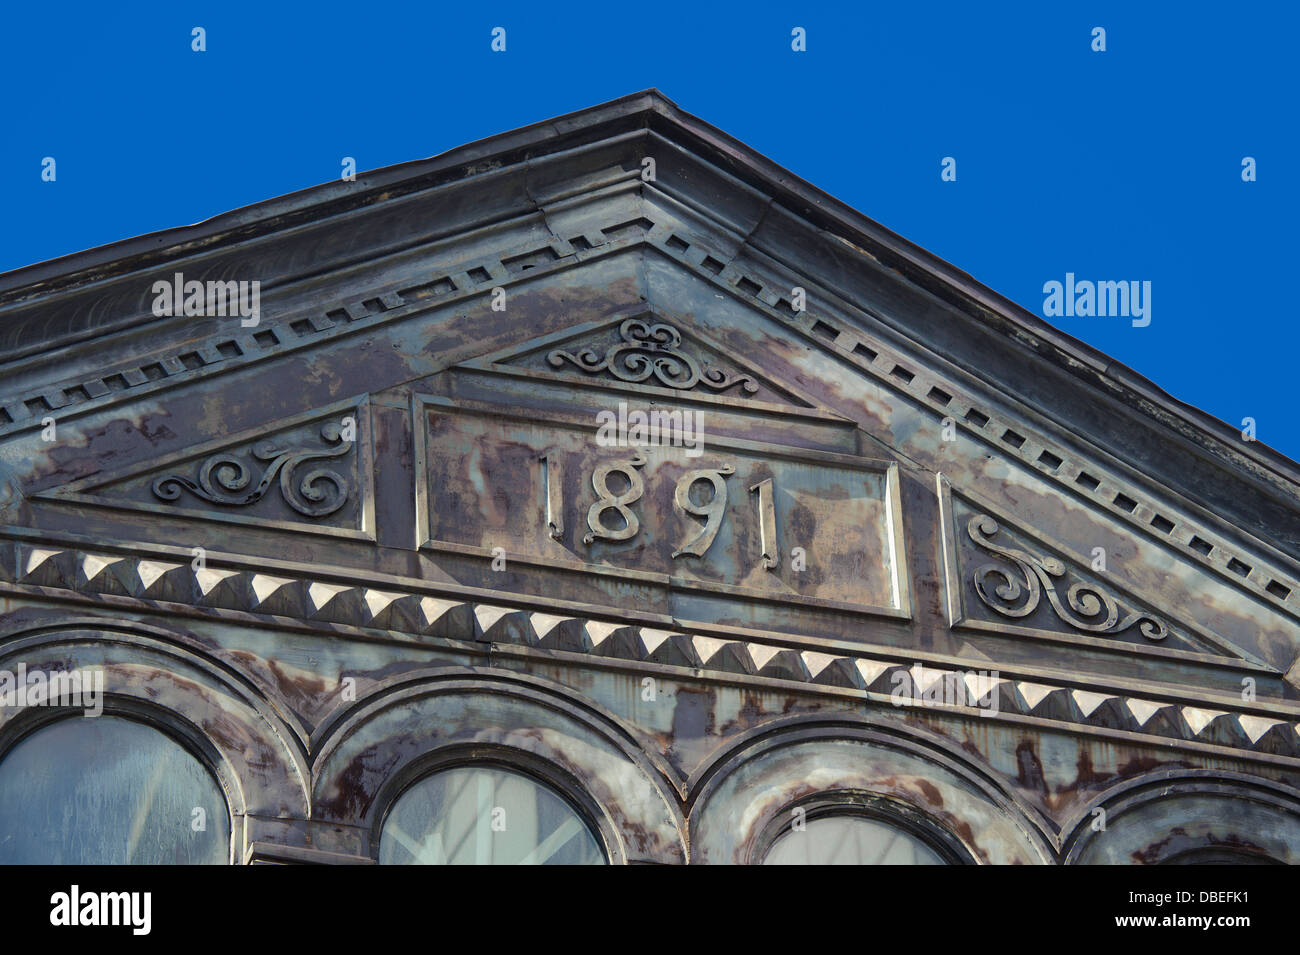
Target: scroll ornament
{"points": [[1086, 607], [651, 350], [224, 478]]}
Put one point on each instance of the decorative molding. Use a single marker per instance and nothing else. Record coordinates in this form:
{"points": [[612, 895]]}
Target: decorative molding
{"points": [[892, 596], [648, 350], [1180, 639], [1101, 486], [1090, 608], [161, 581], [224, 478]]}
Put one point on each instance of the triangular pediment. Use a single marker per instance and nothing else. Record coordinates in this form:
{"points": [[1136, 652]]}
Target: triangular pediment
{"points": [[824, 411], [310, 473], [1004, 576], [479, 435], [609, 451], [649, 350]]}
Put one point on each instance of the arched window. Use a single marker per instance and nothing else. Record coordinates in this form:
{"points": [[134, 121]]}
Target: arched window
{"points": [[850, 840], [485, 815], [109, 791], [853, 828]]}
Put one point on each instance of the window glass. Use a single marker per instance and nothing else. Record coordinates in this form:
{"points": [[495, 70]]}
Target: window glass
{"points": [[108, 791], [485, 816], [850, 840]]}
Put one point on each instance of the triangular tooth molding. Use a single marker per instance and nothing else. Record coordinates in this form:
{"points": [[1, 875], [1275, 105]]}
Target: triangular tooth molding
{"points": [[1032, 694], [651, 640], [277, 596], [1088, 702], [379, 608], [1112, 712], [815, 662], [1281, 739], [505, 625], [561, 633], [1059, 704], [784, 665], [602, 635], [47, 567], [880, 677], [337, 603], [1198, 719], [827, 670], [669, 648], [228, 589], [1168, 721], [982, 688], [707, 649], [1224, 729], [1142, 710], [990, 692], [438, 617], [544, 623], [107, 574], [727, 656], [164, 580], [622, 641], [930, 683], [1256, 726], [250, 591], [761, 655]]}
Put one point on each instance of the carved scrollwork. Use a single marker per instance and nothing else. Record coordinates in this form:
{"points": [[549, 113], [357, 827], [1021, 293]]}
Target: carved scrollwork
{"points": [[224, 478], [1086, 607], [651, 350]]}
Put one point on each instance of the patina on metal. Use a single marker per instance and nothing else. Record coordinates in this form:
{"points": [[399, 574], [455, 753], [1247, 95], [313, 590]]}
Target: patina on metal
{"points": [[865, 579]]}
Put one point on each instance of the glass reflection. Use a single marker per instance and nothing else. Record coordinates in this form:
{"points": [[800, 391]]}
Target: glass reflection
{"points": [[850, 840], [485, 816], [108, 791]]}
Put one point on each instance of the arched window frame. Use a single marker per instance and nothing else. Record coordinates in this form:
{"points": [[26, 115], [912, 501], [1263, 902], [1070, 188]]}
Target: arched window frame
{"points": [[508, 759], [863, 805], [189, 737]]}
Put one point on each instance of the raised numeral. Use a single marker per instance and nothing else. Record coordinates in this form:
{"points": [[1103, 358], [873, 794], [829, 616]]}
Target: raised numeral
{"points": [[711, 510], [554, 495], [606, 500], [766, 523]]}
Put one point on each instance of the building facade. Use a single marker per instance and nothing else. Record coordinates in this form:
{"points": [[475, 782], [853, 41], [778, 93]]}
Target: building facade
{"points": [[601, 492]]}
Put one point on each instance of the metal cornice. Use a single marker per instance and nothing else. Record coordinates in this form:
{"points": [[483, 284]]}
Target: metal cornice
{"points": [[370, 605]]}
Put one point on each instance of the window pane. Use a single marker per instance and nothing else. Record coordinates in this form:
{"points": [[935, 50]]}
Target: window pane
{"points": [[485, 816], [108, 791], [850, 840]]}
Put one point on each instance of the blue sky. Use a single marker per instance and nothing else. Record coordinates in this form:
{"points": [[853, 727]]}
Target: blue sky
{"points": [[1122, 165]]}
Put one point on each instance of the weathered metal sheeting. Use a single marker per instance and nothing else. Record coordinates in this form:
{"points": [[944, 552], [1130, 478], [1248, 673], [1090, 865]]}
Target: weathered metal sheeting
{"points": [[406, 519]]}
